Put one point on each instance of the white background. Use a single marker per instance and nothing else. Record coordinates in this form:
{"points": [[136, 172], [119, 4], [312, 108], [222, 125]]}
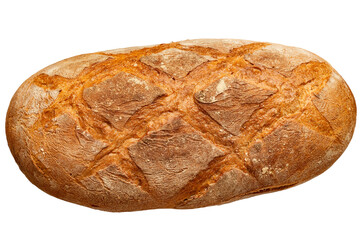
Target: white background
{"points": [[35, 34]]}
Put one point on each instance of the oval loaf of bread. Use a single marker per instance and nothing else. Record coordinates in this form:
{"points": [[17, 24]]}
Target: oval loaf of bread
{"points": [[181, 125]]}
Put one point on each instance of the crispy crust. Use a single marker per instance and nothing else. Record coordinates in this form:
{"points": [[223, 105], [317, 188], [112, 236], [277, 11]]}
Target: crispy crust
{"points": [[181, 125]]}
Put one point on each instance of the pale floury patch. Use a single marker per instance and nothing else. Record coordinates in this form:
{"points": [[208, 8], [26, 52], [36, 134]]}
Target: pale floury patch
{"points": [[139, 82], [72, 67], [281, 58], [223, 45], [221, 87], [126, 50]]}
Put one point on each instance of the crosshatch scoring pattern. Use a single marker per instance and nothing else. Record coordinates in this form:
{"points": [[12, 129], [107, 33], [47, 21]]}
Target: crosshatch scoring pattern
{"points": [[180, 125]]}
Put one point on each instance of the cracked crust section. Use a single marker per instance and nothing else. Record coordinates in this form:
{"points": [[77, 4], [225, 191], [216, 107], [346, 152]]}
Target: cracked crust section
{"points": [[232, 101], [114, 193], [172, 156], [118, 98], [130, 195], [336, 104], [281, 58], [180, 125], [280, 157], [31, 103], [175, 62], [230, 185], [66, 146]]}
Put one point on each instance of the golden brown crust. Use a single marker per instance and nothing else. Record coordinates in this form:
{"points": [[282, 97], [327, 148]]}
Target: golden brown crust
{"points": [[180, 125]]}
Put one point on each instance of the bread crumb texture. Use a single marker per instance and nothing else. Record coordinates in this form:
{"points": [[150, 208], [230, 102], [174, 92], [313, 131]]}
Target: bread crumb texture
{"points": [[181, 125]]}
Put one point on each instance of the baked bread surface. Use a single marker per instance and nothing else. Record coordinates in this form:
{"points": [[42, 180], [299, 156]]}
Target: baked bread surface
{"points": [[181, 125]]}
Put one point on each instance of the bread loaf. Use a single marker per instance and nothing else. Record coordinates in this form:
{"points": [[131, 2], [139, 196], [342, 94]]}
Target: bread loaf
{"points": [[181, 125]]}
